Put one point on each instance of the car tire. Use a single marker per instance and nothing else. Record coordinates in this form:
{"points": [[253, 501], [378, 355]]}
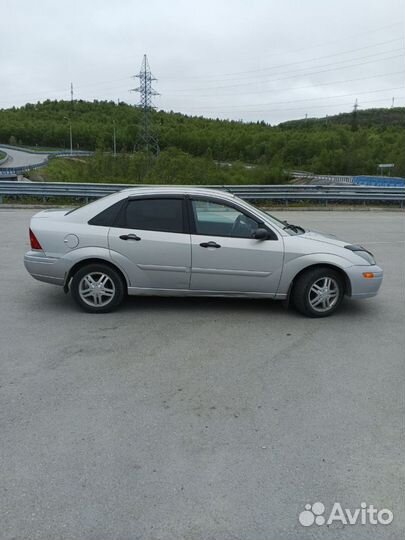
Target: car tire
{"points": [[97, 288], [318, 292]]}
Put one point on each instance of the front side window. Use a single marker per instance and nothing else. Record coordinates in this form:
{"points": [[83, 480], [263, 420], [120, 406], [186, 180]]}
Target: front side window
{"points": [[216, 219], [164, 215]]}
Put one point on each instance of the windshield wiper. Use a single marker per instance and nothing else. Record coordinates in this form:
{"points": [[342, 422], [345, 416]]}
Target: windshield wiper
{"points": [[295, 228]]}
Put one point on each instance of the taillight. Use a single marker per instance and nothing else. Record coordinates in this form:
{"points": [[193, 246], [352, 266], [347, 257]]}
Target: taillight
{"points": [[34, 241]]}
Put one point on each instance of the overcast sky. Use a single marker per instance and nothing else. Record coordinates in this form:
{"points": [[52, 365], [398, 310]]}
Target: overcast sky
{"points": [[269, 60]]}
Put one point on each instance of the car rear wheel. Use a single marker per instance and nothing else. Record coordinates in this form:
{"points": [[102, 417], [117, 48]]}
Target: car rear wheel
{"points": [[97, 288], [318, 292]]}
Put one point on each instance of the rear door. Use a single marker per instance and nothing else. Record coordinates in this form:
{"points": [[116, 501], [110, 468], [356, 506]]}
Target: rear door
{"points": [[225, 257], [150, 239]]}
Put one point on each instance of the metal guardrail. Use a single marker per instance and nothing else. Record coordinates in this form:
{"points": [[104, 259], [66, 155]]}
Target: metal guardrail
{"points": [[283, 193], [7, 171], [321, 178]]}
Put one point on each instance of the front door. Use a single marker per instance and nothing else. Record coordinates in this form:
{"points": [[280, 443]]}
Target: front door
{"points": [[150, 241], [225, 257]]}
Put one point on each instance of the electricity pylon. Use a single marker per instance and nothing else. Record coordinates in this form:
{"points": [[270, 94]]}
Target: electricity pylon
{"points": [[146, 139]]}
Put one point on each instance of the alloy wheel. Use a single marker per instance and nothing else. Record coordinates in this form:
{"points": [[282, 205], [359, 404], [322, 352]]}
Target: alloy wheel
{"points": [[96, 289], [323, 294]]}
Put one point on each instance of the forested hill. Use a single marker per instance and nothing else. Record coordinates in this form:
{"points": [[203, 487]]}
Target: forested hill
{"points": [[366, 118], [341, 144]]}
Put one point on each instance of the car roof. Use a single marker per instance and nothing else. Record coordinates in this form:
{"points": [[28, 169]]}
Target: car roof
{"points": [[88, 211], [156, 190]]}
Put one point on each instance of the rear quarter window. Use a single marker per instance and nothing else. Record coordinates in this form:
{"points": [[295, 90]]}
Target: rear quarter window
{"points": [[108, 217]]}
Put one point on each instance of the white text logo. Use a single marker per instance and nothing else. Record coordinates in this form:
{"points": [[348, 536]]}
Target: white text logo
{"points": [[366, 514]]}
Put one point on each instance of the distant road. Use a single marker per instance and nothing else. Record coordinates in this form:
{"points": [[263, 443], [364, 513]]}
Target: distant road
{"points": [[20, 158]]}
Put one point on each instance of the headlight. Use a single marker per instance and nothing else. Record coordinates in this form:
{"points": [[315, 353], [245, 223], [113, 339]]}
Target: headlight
{"points": [[362, 252]]}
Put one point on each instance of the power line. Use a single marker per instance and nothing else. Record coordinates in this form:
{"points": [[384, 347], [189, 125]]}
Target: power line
{"points": [[196, 94], [330, 105], [306, 99], [286, 88], [320, 85], [311, 86], [323, 44], [299, 72], [248, 73]]}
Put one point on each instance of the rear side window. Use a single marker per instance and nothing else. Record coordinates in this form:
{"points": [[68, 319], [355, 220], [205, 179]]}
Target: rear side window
{"points": [[164, 215], [107, 217]]}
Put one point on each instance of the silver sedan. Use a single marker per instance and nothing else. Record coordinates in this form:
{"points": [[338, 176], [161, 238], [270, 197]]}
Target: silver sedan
{"points": [[198, 242]]}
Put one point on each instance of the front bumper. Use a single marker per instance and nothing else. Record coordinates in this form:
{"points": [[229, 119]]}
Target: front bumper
{"points": [[43, 268], [362, 287]]}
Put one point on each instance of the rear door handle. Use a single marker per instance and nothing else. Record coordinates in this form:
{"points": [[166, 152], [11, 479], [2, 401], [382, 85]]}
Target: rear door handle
{"points": [[129, 237], [210, 245]]}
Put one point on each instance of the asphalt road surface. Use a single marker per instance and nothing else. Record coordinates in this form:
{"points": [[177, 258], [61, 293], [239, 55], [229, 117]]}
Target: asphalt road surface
{"points": [[19, 158], [200, 419]]}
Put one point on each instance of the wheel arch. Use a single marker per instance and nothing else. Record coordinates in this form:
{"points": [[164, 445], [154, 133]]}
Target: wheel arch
{"points": [[92, 260], [340, 271]]}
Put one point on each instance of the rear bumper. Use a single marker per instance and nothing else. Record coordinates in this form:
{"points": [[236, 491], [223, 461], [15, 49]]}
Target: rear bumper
{"points": [[362, 287], [43, 268]]}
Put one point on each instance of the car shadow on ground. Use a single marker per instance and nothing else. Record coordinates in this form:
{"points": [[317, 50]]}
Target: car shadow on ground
{"points": [[201, 304], [221, 305], [54, 300]]}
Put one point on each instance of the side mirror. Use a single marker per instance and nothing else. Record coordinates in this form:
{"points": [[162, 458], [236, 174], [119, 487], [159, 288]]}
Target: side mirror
{"points": [[261, 234]]}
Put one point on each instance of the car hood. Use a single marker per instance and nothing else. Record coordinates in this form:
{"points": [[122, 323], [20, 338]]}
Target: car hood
{"points": [[324, 238]]}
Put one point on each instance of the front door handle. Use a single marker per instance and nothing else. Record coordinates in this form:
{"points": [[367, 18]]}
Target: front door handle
{"points": [[129, 237], [210, 245]]}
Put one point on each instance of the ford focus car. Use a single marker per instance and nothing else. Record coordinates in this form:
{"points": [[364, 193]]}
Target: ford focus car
{"points": [[198, 242]]}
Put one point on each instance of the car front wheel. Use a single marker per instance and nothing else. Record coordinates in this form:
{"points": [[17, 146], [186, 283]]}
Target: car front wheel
{"points": [[318, 292], [97, 288]]}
